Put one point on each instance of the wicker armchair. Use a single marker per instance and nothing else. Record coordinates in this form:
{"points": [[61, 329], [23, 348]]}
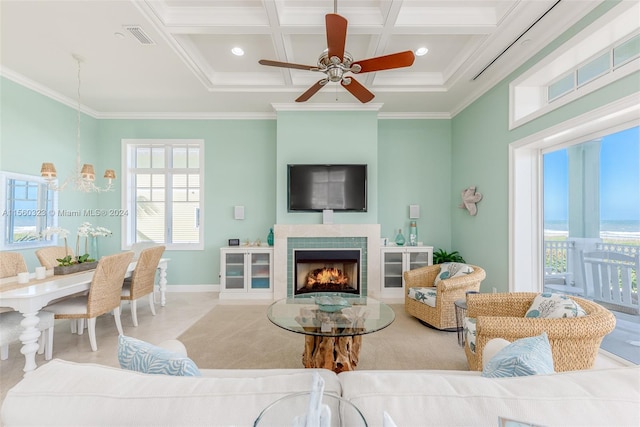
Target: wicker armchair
{"points": [[574, 341], [443, 315]]}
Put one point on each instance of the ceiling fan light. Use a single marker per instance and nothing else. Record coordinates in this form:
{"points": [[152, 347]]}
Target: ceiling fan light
{"points": [[421, 51]]}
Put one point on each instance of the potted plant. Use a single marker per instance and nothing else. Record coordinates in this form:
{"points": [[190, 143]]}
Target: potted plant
{"points": [[441, 256]]}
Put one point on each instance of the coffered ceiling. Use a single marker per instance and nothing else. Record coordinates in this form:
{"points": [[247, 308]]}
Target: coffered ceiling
{"points": [[172, 58]]}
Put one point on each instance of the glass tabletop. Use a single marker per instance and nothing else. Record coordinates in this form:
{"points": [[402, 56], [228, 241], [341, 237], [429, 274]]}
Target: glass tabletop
{"points": [[283, 411], [331, 314]]}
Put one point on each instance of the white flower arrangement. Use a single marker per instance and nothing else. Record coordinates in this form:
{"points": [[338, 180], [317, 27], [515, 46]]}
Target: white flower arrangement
{"points": [[49, 232], [85, 230]]}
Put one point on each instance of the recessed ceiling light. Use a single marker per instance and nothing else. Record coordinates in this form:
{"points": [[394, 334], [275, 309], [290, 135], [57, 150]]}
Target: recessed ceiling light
{"points": [[237, 51], [118, 35], [421, 51]]}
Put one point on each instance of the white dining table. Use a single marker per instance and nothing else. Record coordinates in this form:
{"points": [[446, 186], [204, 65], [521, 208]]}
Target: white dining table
{"points": [[28, 299]]}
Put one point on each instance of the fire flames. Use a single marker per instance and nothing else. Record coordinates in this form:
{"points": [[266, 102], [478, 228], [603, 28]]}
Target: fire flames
{"points": [[327, 276]]}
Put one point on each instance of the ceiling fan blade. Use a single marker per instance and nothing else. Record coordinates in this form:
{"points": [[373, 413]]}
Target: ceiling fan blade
{"points": [[357, 90], [387, 62], [287, 65], [336, 34], [311, 91]]}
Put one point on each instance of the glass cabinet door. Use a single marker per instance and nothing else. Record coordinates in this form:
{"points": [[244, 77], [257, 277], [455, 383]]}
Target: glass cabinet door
{"points": [[392, 270], [234, 271], [260, 271], [418, 259]]}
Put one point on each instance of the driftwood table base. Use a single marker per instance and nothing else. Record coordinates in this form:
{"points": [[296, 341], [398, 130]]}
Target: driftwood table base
{"points": [[335, 353]]}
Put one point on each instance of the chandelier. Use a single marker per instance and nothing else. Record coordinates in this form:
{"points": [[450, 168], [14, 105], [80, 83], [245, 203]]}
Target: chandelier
{"points": [[83, 178]]}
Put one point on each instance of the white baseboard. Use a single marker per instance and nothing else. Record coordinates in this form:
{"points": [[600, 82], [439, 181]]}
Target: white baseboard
{"points": [[193, 288]]}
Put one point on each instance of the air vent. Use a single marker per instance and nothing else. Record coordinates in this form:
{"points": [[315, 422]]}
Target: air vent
{"points": [[139, 34]]}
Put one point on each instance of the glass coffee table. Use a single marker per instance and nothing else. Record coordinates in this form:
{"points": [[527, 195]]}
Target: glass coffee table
{"points": [[333, 325]]}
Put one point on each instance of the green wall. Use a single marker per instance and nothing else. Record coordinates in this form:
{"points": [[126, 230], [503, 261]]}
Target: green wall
{"points": [[245, 164], [327, 137], [480, 141], [414, 163], [424, 162], [35, 129]]}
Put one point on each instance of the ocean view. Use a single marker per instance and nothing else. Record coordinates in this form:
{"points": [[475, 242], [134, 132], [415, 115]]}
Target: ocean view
{"points": [[618, 230]]}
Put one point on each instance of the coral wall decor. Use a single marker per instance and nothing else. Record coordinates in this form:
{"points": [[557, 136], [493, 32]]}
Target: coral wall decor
{"points": [[469, 199]]}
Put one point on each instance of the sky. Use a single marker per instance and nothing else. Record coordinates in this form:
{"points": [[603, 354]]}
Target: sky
{"points": [[619, 179]]}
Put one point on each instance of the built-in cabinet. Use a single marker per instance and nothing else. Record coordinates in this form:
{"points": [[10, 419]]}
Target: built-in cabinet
{"points": [[246, 272], [395, 260]]}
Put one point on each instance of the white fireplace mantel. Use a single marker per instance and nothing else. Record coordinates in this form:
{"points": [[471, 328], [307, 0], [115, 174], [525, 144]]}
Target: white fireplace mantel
{"points": [[282, 232]]}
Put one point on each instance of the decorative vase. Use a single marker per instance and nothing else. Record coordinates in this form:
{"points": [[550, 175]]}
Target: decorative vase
{"points": [[413, 234], [94, 249], [270, 237], [400, 238]]}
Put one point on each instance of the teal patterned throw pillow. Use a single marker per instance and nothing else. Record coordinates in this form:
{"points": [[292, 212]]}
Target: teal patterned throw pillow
{"points": [[554, 306], [452, 269], [140, 356], [526, 356]]}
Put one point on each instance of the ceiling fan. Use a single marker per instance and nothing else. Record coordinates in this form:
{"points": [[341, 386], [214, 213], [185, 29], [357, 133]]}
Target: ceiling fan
{"points": [[335, 62]]}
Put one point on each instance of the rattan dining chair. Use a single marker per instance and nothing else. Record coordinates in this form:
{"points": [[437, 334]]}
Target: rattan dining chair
{"points": [[103, 296], [49, 256], [142, 281], [12, 263]]}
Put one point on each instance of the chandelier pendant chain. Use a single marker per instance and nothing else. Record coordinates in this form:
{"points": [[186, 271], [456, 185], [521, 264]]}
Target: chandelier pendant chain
{"points": [[83, 176]]}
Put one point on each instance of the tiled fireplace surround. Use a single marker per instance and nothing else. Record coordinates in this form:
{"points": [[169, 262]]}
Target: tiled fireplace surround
{"points": [[288, 237]]}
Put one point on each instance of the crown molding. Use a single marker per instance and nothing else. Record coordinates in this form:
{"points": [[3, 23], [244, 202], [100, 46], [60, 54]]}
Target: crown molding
{"points": [[45, 91], [185, 116]]}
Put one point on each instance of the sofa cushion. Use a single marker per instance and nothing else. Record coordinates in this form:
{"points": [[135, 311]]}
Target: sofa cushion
{"points": [[550, 305], [424, 295], [140, 356], [84, 394], [450, 270], [526, 356], [604, 397]]}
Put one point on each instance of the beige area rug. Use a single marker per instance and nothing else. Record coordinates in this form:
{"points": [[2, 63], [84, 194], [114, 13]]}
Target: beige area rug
{"points": [[241, 337]]}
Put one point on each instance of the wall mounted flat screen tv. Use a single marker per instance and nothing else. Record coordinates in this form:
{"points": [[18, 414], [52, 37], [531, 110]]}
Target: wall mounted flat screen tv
{"points": [[319, 187]]}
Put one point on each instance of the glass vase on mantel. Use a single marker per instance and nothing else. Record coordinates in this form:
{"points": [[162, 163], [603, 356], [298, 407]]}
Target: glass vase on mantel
{"points": [[400, 238]]}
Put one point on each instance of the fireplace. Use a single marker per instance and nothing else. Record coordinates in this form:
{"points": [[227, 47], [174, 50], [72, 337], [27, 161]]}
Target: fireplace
{"points": [[327, 270]]}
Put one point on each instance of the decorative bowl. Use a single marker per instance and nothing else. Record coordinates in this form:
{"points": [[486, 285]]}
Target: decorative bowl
{"points": [[331, 304]]}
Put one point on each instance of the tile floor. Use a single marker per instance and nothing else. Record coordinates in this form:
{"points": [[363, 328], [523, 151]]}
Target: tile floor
{"points": [[181, 311]]}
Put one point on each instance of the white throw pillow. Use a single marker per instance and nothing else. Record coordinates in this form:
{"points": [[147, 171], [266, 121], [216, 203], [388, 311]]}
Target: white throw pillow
{"points": [[449, 270], [491, 348], [554, 306]]}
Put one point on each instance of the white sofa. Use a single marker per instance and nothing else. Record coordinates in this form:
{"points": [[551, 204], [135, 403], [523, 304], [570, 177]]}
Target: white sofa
{"points": [[80, 394]]}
